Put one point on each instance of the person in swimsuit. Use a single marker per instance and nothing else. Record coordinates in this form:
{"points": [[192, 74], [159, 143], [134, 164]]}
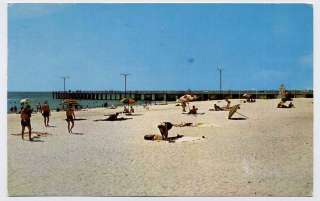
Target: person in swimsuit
{"points": [[183, 105], [45, 113], [164, 128], [193, 110], [227, 107], [70, 118], [25, 121]]}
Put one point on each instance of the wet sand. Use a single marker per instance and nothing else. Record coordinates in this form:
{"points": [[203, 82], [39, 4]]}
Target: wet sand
{"points": [[269, 154]]}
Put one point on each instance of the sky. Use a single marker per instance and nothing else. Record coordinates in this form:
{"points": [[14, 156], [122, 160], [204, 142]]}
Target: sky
{"points": [[162, 46]]}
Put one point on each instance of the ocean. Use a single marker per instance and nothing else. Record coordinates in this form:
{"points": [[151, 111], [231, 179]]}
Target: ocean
{"points": [[39, 97]]}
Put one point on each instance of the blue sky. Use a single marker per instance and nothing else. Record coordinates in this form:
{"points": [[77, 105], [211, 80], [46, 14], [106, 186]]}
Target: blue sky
{"points": [[163, 46]]}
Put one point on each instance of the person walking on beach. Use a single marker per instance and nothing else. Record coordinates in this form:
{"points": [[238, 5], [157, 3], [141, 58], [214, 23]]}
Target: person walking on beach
{"points": [[70, 118], [45, 113], [25, 121], [39, 108]]}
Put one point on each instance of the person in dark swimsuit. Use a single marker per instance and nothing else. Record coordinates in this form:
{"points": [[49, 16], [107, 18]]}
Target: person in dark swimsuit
{"points": [[70, 118], [164, 128], [45, 113], [25, 121]]}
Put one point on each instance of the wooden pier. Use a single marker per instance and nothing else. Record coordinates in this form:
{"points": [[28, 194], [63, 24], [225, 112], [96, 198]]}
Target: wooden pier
{"points": [[174, 95]]}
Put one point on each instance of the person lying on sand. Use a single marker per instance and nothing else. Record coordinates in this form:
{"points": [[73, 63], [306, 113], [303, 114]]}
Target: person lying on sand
{"points": [[282, 105], [113, 117], [26, 121], [182, 124], [159, 137], [218, 108], [193, 110], [70, 118]]}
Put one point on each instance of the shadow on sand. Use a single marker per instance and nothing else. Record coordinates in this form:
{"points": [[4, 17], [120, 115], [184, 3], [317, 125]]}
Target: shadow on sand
{"points": [[118, 119], [36, 139], [76, 133], [79, 119], [238, 118], [134, 115], [202, 113]]}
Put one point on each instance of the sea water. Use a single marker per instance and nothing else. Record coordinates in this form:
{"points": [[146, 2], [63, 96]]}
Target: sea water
{"points": [[40, 97]]}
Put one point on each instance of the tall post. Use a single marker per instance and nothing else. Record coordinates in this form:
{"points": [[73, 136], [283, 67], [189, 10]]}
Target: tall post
{"points": [[125, 83], [220, 73], [64, 82]]}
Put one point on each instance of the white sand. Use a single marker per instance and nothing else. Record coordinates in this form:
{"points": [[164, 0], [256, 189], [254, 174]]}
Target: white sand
{"points": [[269, 154]]}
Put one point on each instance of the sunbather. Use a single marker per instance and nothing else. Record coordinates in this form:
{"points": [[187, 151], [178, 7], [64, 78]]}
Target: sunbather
{"points": [[282, 105], [217, 108]]}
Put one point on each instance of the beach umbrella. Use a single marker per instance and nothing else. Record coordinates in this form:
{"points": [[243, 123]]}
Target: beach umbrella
{"points": [[128, 101], [25, 101], [233, 110], [187, 98]]}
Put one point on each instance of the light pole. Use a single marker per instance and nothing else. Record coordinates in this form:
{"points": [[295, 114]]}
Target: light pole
{"points": [[64, 82], [220, 73], [125, 83]]}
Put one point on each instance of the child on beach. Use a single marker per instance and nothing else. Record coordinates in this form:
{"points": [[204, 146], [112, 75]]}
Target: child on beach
{"points": [[25, 120], [70, 118], [45, 113]]}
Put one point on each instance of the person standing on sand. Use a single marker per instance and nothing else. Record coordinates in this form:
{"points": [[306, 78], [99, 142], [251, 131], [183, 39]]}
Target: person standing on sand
{"points": [[39, 108], [70, 118], [25, 121], [184, 105], [45, 113]]}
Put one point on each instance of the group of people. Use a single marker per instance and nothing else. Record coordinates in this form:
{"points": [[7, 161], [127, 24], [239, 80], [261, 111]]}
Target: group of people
{"points": [[44, 109]]}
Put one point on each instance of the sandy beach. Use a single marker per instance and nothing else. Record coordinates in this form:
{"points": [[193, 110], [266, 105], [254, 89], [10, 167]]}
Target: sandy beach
{"points": [[269, 154]]}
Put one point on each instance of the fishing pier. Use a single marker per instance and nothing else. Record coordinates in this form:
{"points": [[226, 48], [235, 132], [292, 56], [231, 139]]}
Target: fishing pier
{"points": [[174, 95]]}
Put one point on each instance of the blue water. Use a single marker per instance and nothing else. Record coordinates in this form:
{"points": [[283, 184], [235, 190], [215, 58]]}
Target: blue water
{"points": [[39, 97]]}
